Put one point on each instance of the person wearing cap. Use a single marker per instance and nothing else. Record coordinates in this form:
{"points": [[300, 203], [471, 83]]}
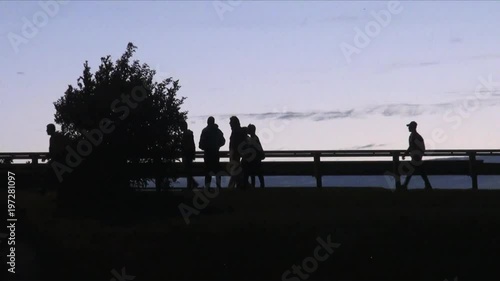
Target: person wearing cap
{"points": [[416, 150]]}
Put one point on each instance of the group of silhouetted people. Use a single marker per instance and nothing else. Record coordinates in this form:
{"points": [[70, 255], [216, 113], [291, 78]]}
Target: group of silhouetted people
{"points": [[245, 154]]}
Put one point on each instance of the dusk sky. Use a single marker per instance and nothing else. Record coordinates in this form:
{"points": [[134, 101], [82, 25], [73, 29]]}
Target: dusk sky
{"points": [[281, 65]]}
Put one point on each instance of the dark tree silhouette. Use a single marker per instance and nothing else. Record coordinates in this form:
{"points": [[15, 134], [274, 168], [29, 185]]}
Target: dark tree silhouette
{"points": [[124, 113]]}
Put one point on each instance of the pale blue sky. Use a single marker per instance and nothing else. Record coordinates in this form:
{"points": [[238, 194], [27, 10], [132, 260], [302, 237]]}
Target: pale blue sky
{"points": [[284, 55]]}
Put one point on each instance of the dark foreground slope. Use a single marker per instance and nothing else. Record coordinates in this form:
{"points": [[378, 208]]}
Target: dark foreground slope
{"points": [[260, 234]]}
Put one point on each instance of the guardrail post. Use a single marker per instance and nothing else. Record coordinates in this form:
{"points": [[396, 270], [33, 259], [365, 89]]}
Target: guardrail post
{"points": [[156, 168], [395, 169], [473, 170], [317, 170], [34, 164], [34, 160]]}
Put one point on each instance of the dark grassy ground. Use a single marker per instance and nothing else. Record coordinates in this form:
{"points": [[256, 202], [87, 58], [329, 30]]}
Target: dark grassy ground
{"points": [[259, 234]]}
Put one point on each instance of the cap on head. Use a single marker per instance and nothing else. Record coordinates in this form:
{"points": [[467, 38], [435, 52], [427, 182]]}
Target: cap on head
{"points": [[412, 124]]}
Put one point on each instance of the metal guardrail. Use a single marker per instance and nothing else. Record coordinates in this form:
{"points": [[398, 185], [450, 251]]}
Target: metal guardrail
{"points": [[318, 168], [301, 153]]}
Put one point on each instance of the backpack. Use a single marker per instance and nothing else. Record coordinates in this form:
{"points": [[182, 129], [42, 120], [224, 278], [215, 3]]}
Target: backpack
{"points": [[254, 144]]}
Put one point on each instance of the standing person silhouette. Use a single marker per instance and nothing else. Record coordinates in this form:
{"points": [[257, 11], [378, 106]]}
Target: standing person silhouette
{"points": [[252, 157], [57, 144], [211, 140], [416, 150], [57, 154], [236, 145], [188, 154]]}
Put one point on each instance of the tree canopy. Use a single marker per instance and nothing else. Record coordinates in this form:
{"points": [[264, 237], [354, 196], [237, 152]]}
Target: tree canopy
{"points": [[146, 114], [120, 107]]}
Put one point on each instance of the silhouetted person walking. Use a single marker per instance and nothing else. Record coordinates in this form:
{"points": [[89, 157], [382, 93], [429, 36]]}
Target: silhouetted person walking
{"points": [[416, 150], [236, 145], [211, 140], [188, 154], [252, 157]]}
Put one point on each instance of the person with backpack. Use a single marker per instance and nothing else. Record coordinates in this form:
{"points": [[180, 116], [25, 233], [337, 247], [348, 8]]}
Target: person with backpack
{"points": [[252, 157], [211, 140], [416, 150]]}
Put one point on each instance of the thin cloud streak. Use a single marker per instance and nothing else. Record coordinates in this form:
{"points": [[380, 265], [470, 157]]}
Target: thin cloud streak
{"points": [[387, 110], [395, 66], [368, 146]]}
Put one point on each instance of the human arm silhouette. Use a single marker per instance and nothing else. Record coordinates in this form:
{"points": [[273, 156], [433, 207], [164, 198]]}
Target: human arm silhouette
{"points": [[192, 146], [222, 140], [203, 141], [262, 154], [406, 153], [416, 145]]}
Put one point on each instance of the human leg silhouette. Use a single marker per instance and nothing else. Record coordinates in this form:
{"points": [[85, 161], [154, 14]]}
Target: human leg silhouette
{"points": [[218, 179], [261, 180], [423, 174], [417, 166], [208, 180]]}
